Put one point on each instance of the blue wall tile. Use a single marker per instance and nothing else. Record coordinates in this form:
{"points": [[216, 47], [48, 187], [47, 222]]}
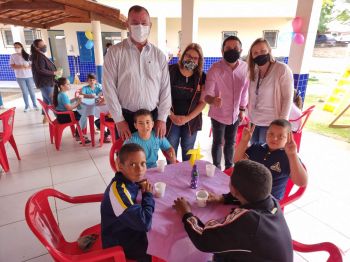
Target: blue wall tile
{"points": [[300, 83], [6, 72]]}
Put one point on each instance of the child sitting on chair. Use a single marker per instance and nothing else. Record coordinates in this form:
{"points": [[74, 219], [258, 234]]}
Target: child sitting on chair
{"points": [[123, 221], [146, 138], [254, 231], [93, 89], [278, 154], [62, 103]]}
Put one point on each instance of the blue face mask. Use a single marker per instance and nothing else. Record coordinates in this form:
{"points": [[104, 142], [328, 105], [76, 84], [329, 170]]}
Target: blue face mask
{"points": [[189, 64], [43, 49]]}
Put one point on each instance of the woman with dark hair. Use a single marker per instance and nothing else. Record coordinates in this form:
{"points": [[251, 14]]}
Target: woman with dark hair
{"points": [[20, 63], [270, 90], [187, 82], [44, 71]]}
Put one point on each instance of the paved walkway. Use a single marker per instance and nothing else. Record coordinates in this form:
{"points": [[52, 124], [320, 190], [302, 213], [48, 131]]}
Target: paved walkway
{"points": [[321, 215]]}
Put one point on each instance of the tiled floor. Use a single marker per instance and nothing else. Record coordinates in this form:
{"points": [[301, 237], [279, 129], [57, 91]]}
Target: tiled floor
{"points": [[321, 215]]}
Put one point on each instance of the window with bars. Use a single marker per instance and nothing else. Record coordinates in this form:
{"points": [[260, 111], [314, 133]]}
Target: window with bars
{"points": [[271, 36], [226, 34], [7, 37]]}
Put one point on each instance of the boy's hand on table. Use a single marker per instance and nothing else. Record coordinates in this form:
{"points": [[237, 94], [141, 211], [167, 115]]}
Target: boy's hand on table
{"points": [[214, 198], [181, 206], [146, 187], [291, 147]]}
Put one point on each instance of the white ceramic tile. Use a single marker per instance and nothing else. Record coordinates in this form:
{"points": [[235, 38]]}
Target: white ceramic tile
{"points": [[28, 162], [98, 151], [63, 157], [18, 243], [24, 181], [73, 171], [107, 177], [102, 163], [12, 206], [76, 219], [29, 138], [298, 257], [43, 258], [307, 230], [37, 149], [84, 186]]}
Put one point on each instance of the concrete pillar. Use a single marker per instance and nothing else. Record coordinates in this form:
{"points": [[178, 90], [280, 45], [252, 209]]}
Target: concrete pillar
{"points": [[189, 23], [300, 55], [45, 38], [124, 34], [161, 34], [96, 30], [18, 34]]}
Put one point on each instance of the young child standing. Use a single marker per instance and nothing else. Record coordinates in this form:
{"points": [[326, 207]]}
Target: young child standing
{"points": [[254, 231], [93, 89], [147, 139], [62, 103], [278, 154], [123, 221]]}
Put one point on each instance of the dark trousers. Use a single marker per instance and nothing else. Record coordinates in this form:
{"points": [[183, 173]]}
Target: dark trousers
{"points": [[223, 134], [129, 118], [62, 119], [98, 124]]}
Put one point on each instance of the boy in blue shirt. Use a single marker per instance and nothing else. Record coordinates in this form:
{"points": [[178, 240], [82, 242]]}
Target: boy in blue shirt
{"points": [[146, 138], [92, 90], [123, 221], [278, 154]]}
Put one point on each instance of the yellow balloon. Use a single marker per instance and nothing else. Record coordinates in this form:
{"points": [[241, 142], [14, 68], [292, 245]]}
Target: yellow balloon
{"points": [[89, 35]]}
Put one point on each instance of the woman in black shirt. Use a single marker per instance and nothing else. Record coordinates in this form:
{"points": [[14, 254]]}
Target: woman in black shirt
{"points": [[187, 82]]}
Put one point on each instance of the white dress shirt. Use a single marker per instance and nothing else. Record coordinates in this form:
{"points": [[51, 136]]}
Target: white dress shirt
{"points": [[136, 80]]}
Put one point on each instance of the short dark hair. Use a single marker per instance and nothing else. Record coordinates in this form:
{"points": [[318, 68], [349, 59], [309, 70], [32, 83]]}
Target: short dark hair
{"points": [[252, 180], [91, 76], [142, 112], [281, 122], [127, 149], [109, 44], [137, 9], [230, 38]]}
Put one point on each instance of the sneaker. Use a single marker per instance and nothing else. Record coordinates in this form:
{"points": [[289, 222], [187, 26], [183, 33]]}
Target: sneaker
{"points": [[107, 139], [87, 140], [26, 109], [36, 108]]}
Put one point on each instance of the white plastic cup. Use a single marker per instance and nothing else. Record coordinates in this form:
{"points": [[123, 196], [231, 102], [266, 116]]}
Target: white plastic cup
{"points": [[202, 197], [159, 189], [210, 169], [161, 165]]}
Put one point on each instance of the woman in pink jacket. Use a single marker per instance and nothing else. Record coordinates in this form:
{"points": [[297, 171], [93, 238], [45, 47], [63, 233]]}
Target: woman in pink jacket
{"points": [[270, 90]]}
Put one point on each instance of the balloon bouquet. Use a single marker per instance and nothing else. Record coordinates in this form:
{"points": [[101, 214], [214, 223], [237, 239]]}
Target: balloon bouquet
{"points": [[297, 24], [89, 43]]}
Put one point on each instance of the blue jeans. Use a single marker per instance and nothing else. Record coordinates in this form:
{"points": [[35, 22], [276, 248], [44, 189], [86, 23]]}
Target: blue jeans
{"points": [[47, 93], [27, 86], [259, 135], [187, 142], [223, 134]]}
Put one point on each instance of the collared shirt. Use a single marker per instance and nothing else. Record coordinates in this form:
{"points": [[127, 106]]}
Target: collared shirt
{"points": [[232, 86], [136, 80]]}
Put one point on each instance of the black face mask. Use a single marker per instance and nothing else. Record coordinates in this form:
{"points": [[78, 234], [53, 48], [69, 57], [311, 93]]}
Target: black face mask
{"points": [[231, 55], [261, 59]]}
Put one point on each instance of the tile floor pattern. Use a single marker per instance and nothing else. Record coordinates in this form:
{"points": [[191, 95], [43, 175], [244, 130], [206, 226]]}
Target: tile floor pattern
{"points": [[321, 215]]}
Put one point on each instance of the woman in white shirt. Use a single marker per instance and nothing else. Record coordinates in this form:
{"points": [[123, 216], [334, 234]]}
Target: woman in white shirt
{"points": [[20, 63], [270, 90]]}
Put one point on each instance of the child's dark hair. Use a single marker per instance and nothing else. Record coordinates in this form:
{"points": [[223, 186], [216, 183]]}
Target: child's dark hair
{"points": [[252, 179], [281, 122], [25, 55], [127, 149], [57, 88], [142, 112], [91, 76]]}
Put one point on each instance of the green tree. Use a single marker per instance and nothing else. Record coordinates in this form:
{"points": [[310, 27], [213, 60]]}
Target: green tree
{"points": [[329, 13]]}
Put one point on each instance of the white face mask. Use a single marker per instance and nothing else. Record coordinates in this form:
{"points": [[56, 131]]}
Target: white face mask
{"points": [[139, 32], [18, 50]]}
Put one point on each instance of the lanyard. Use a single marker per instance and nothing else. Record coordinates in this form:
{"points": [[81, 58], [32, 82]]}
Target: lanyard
{"points": [[261, 79]]}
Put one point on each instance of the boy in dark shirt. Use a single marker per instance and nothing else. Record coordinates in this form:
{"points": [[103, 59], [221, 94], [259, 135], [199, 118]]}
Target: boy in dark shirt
{"points": [[123, 221], [254, 231]]}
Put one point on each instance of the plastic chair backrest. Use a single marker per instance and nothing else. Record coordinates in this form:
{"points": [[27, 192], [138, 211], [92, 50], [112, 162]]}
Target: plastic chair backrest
{"points": [[335, 254], [7, 118], [46, 108], [304, 116], [115, 148]]}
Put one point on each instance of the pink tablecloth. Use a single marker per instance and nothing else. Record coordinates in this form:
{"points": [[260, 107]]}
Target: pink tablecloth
{"points": [[168, 238]]}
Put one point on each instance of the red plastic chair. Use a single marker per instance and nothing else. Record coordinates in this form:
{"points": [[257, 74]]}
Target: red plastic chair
{"points": [[56, 129], [109, 125], [42, 222], [297, 134], [7, 118], [335, 254]]}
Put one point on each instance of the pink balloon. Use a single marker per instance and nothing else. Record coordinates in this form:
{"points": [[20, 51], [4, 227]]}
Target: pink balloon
{"points": [[297, 23], [299, 38]]}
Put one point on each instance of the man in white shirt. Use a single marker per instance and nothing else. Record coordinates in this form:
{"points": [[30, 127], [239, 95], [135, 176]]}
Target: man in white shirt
{"points": [[136, 76]]}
